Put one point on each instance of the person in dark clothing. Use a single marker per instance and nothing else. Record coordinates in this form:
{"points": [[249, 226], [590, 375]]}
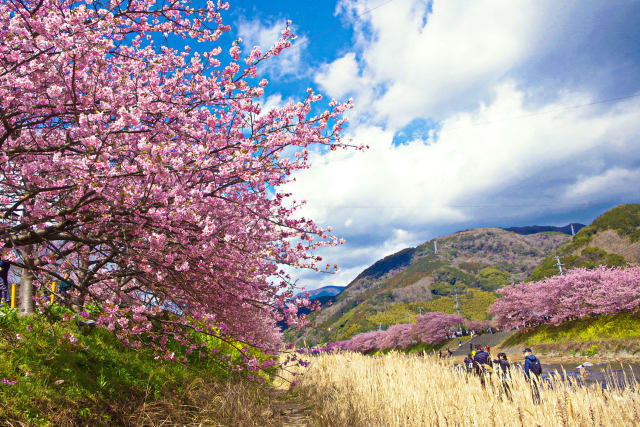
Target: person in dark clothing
{"points": [[532, 366], [65, 285], [482, 364], [4, 285], [503, 368], [468, 363], [449, 352]]}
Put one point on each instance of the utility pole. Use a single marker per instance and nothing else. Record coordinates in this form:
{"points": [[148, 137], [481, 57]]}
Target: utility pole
{"points": [[455, 289], [559, 264], [573, 233], [435, 246]]}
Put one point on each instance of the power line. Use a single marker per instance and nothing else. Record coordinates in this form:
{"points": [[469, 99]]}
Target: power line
{"points": [[330, 29]]}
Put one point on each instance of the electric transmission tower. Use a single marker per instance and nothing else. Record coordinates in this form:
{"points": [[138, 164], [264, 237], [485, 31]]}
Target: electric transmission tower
{"points": [[559, 264]]}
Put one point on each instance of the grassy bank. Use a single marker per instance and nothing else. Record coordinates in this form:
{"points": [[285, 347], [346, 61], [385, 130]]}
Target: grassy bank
{"points": [[618, 333], [52, 373]]}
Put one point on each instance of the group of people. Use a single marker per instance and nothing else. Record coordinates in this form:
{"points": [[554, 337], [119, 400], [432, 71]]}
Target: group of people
{"points": [[480, 363]]}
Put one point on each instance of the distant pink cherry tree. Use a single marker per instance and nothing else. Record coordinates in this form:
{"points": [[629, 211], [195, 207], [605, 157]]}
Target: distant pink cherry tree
{"points": [[397, 336], [365, 342], [576, 294], [151, 173], [431, 328], [435, 327]]}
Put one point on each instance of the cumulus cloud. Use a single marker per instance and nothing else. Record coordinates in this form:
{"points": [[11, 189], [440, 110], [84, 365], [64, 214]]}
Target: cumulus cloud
{"points": [[443, 177], [613, 182], [338, 78]]}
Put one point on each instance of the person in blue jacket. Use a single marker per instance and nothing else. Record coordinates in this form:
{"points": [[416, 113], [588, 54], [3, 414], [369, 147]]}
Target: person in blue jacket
{"points": [[532, 366]]}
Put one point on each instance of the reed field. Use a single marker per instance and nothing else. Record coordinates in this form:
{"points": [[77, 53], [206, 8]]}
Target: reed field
{"points": [[350, 389]]}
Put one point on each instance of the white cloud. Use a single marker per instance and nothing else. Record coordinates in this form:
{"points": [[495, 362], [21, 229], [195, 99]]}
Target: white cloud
{"points": [[476, 155], [613, 182], [432, 62], [289, 62], [338, 78]]}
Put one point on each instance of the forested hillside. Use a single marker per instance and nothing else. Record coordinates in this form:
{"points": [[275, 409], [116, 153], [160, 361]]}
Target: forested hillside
{"points": [[612, 239]]}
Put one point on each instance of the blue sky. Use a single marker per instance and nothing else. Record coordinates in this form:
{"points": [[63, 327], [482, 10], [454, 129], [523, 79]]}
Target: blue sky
{"points": [[478, 113]]}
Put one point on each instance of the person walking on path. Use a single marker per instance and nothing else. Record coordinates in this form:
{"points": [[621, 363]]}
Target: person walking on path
{"points": [[503, 367], [468, 363], [532, 366], [482, 364]]}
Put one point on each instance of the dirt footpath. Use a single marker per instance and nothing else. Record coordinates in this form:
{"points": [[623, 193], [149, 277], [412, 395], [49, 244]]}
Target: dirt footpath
{"points": [[289, 409]]}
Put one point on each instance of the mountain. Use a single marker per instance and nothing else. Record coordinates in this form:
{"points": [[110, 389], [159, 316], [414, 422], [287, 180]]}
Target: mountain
{"points": [[473, 263], [327, 291], [612, 239], [532, 229]]}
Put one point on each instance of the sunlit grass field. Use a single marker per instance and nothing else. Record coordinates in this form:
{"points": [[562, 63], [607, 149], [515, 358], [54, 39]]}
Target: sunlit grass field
{"points": [[351, 389]]}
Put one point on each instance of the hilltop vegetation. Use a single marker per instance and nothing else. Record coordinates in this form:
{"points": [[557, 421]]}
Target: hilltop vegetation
{"points": [[612, 239]]}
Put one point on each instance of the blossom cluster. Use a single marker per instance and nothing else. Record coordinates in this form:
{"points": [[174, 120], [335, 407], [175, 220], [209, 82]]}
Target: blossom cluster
{"points": [[430, 328], [578, 293]]}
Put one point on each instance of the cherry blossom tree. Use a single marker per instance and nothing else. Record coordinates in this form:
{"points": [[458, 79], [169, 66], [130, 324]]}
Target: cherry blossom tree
{"points": [[578, 293], [365, 342], [431, 328], [150, 173], [397, 336], [435, 327]]}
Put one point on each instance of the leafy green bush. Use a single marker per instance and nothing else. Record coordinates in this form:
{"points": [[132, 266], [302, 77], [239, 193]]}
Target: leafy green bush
{"points": [[492, 279]]}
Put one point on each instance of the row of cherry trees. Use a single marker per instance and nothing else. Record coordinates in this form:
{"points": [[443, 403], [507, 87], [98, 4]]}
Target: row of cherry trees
{"points": [[148, 172], [430, 328], [576, 294]]}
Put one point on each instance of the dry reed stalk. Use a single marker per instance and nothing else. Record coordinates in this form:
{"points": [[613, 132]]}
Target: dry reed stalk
{"points": [[208, 403], [401, 390]]}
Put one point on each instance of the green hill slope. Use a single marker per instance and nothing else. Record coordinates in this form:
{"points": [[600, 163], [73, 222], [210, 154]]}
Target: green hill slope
{"points": [[612, 239]]}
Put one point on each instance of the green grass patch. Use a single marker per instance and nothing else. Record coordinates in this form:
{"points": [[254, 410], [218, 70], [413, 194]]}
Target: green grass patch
{"points": [[49, 378], [601, 328], [474, 304]]}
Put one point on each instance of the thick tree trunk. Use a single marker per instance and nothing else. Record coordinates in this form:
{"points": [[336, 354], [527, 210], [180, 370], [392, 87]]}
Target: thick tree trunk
{"points": [[27, 290]]}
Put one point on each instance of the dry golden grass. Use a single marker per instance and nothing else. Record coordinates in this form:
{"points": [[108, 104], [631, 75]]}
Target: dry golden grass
{"points": [[350, 389], [208, 403]]}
